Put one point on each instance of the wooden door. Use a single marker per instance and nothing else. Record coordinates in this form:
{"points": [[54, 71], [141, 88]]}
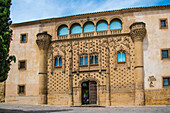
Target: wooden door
{"points": [[92, 92]]}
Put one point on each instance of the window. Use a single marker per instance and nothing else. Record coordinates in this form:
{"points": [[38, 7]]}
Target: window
{"points": [[165, 53], [166, 81], [84, 60], [121, 57], [102, 25], [21, 89], [75, 28], [23, 38], [58, 61], [88, 27], [115, 24], [63, 30], [163, 23], [94, 59], [22, 64]]}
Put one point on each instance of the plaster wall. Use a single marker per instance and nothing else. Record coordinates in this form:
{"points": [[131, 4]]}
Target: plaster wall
{"points": [[29, 77]]}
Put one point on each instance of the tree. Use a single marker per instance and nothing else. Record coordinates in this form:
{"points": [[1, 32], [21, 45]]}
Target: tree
{"points": [[5, 39]]}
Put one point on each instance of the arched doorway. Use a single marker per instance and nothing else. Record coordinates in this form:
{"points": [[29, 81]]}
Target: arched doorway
{"points": [[89, 92]]}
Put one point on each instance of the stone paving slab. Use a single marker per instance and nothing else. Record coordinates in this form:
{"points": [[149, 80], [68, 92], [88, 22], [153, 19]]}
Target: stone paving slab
{"points": [[13, 108]]}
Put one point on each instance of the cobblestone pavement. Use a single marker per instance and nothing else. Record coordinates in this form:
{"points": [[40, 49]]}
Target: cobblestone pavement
{"points": [[12, 108]]}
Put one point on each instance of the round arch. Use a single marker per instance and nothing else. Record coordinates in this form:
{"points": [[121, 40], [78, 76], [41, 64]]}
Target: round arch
{"points": [[62, 30], [102, 25], [115, 23], [75, 28], [88, 27], [89, 79]]}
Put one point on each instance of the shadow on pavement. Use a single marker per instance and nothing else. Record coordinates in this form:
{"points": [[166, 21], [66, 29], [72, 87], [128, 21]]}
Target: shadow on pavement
{"points": [[32, 111]]}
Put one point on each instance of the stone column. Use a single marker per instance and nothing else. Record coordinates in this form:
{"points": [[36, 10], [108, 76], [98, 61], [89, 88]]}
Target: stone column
{"points": [[95, 30], [109, 32], [138, 33], [43, 41], [82, 31]]}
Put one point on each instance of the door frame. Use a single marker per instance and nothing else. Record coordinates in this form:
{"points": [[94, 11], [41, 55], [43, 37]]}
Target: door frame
{"points": [[88, 81]]}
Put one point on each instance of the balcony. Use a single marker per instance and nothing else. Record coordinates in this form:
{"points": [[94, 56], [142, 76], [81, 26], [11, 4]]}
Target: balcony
{"points": [[116, 31], [90, 34], [99, 33], [75, 35], [61, 37]]}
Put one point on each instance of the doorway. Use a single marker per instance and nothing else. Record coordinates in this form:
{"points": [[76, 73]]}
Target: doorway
{"points": [[89, 92]]}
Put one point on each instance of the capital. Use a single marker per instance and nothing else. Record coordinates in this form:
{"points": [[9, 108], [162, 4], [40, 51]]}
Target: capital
{"points": [[43, 40], [137, 31]]}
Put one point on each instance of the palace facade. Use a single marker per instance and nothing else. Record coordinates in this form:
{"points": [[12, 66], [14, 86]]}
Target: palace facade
{"points": [[112, 58]]}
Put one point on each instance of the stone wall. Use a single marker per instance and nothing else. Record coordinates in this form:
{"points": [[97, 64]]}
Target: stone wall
{"points": [[121, 74], [2, 92], [157, 97]]}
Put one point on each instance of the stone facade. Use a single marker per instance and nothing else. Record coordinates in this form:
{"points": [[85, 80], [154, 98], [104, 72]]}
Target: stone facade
{"points": [[137, 81], [2, 92]]}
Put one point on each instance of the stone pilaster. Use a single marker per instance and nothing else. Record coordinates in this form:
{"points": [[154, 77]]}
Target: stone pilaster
{"points": [[138, 33], [70, 79], [108, 101], [43, 42]]}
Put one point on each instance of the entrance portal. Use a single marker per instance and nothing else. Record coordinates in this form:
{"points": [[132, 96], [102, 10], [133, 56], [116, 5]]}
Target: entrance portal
{"points": [[89, 92]]}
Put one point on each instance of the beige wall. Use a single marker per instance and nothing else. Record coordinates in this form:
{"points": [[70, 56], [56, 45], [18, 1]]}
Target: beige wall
{"points": [[29, 77], [155, 40]]}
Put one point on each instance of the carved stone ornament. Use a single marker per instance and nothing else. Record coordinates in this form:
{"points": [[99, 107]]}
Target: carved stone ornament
{"points": [[138, 31], [43, 40], [151, 80]]}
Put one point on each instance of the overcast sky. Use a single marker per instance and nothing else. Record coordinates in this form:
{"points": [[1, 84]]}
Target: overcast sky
{"points": [[29, 10]]}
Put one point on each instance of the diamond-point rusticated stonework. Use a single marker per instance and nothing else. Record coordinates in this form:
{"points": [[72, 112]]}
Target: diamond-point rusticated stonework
{"points": [[43, 40], [138, 31]]}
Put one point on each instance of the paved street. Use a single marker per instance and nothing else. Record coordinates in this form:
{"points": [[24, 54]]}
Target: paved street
{"points": [[12, 108]]}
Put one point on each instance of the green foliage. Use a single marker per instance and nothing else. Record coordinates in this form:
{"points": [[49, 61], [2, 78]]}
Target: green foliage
{"points": [[5, 39]]}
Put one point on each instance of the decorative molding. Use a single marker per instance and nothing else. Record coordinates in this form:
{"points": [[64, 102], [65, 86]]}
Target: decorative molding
{"points": [[138, 31], [151, 79]]}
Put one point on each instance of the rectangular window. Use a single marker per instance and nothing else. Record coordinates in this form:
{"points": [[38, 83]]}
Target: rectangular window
{"points": [[165, 53], [21, 89], [94, 59], [166, 81], [23, 38], [22, 64], [163, 23], [84, 60], [58, 61], [121, 57]]}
